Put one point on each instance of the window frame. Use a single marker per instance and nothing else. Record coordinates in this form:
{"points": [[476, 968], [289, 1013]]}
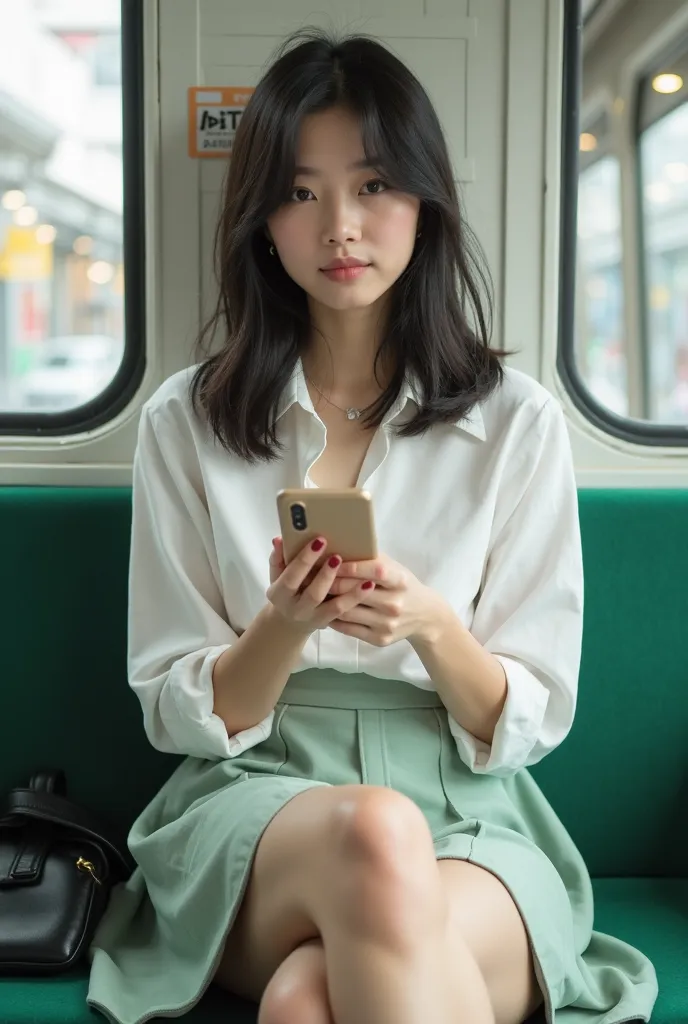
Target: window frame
{"points": [[637, 432], [124, 385]]}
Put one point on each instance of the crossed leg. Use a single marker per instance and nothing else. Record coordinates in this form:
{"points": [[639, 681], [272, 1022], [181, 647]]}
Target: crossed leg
{"points": [[487, 950], [349, 919]]}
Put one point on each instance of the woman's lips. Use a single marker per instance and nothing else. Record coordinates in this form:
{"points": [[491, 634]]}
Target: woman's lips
{"points": [[345, 273]]}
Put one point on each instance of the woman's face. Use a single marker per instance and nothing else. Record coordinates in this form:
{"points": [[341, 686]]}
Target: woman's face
{"points": [[340, 208]]}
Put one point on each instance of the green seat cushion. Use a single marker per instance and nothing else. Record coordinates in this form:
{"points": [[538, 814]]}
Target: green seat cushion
{"points": [[63, 1001], [651, 914]]}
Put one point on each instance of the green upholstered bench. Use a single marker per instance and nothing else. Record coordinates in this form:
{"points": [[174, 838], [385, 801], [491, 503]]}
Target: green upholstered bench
{"points": [[619, 782]]}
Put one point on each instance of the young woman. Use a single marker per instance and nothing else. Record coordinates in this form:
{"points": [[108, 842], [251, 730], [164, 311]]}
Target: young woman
{"points": [[352, 837]]}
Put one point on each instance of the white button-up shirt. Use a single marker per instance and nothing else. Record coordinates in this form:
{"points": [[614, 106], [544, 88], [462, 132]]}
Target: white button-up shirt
{"points": [[483, 511]]}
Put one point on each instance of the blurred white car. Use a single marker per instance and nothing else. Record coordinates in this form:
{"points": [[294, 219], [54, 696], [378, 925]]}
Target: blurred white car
{"points": [[69, 371]]}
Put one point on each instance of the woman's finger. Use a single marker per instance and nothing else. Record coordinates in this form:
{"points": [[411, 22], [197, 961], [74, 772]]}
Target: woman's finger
{"points": [[277, 564], [302, 566], [363, 615], [315, 594], [337, 606], [382, 570], [353, 629], [343, 586]]}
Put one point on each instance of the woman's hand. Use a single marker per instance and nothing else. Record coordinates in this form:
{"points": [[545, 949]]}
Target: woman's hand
{"points": [[302, 594], [400, 607]]}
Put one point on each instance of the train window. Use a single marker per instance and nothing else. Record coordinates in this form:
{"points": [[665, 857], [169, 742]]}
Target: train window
{"points": [[71, 348], [623, 348], [600, 354], [663, 168]]}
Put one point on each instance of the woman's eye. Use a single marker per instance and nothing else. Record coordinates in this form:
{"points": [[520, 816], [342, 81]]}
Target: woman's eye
{"points": [[300, 194], [378, 186]]}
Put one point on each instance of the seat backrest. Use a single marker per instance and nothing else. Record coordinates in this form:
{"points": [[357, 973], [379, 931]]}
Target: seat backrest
{"points": [[64, 699], [619, 782]]}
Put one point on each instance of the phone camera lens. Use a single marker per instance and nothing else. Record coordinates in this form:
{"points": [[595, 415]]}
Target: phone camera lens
{"points": [[298, 517]]}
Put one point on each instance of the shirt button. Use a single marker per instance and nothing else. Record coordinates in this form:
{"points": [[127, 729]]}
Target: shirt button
{"points": [[481, 759]]}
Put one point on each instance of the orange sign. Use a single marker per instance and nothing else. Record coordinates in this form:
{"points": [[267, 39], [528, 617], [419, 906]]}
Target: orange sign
{"points": [[214, 115], [23, 258]]}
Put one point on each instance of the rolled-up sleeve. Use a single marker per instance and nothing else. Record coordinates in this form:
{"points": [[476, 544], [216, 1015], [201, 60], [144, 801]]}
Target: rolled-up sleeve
{"points": [[529, 614], [178, 625]]}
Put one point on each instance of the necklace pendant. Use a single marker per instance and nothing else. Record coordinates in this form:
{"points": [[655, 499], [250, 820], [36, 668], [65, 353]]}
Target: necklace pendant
{"points": [[353, 414]]}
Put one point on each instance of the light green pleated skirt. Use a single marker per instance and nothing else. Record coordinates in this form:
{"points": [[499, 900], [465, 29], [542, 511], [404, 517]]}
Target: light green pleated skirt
{"points": [[159, 943]]}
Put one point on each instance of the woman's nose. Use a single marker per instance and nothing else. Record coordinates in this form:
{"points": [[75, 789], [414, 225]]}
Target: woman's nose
{"points": [[342, 224]]}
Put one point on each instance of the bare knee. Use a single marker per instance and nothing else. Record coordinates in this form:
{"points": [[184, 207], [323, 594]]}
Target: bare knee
{"points": [[358, 858], [384, 835], [388, 880]]}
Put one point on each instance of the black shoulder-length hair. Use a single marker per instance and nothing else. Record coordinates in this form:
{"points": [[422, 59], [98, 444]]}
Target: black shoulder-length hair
{"points": [[440, 307]]}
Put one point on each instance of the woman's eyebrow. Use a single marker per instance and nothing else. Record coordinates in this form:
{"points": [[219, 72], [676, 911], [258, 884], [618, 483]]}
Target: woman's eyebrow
{"points": [[358, 165]]}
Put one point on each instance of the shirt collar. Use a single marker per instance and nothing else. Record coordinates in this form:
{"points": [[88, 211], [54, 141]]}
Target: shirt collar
{"points": [[296, 392]]}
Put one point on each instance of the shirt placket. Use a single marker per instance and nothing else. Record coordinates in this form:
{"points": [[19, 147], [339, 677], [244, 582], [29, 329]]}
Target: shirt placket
{"points": [[334, 649]]}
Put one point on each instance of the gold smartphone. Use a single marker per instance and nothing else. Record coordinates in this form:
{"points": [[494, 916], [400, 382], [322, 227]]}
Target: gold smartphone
{"points": [[343, 517]]}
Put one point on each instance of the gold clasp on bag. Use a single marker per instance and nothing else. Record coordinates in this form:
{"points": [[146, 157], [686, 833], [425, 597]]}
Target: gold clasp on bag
{"points": [[86, 865]]}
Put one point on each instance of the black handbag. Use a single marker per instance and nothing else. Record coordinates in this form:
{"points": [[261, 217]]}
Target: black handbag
{"points": [[57, 866]]}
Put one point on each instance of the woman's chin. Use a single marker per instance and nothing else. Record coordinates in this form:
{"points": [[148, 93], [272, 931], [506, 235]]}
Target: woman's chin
{"points": [[347, 298]]}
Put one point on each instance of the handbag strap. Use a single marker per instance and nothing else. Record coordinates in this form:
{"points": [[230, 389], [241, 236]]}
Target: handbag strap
{"points": [[42, 805], [49, 780]]}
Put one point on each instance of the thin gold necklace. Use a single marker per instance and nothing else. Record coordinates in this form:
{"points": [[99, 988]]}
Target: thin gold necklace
{"points": [[351, 413]]}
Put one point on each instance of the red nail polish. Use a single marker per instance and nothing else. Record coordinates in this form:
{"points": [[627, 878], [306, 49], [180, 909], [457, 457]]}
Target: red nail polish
{"points": [[317, 545], [368, 584], [334, 562]]}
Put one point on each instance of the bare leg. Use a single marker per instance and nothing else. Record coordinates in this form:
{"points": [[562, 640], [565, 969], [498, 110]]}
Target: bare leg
{"points": [[297, 990], [354, 865], [384, 945], [495, 972]]}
